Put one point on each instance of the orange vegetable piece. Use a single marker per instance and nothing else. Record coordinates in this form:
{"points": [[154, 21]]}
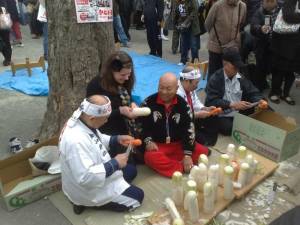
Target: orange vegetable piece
{"points": [[216, 111], [263, 104], [134, 142]]}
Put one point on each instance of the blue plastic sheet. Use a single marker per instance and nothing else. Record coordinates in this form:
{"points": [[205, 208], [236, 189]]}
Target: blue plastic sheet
{"points": [[37, 84], [148, 69]]}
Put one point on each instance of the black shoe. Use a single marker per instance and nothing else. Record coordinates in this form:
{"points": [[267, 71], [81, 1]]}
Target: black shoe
{"points": [[6, 63], [78, 209], [288, 100]]}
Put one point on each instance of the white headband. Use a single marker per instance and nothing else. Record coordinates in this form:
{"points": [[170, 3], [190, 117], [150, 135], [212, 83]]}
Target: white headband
{"points": [[91, 110], [192, 75]]}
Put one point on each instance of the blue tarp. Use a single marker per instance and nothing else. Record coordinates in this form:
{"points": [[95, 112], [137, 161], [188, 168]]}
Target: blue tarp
{"points": [[37, 84], [148, 70]]}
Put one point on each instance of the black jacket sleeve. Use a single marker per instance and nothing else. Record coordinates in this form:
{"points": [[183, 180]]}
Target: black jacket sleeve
{"points": [[250, 92], [256, 24], [188, 128], [160, 9], [215, 90]]}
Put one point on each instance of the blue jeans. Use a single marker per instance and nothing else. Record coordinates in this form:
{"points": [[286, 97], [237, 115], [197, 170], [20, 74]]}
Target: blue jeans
{"points": [[119, 29], [45, 40], [23, 16]]}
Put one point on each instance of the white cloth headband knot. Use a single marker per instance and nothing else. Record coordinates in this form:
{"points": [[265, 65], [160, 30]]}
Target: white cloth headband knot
{"points": [[91, 110], [192, 75]]}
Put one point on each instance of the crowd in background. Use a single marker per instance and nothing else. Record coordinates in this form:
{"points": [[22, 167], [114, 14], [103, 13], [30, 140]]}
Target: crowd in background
{"points": [[246, 25], [22, 12]]}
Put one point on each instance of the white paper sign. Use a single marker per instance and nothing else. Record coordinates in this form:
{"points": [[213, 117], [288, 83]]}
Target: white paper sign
{"points": [[94, 11]]}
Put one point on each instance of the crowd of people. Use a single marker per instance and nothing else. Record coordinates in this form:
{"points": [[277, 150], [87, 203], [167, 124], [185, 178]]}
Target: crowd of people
{"points": [[22, 13], [245, 25]]}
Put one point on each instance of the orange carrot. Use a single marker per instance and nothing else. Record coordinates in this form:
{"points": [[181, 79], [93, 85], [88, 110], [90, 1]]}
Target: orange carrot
{"points": [[216, 111], [134, 142]]}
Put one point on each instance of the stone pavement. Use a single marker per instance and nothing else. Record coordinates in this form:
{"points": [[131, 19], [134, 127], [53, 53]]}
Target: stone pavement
{"points": [[21, 116]]}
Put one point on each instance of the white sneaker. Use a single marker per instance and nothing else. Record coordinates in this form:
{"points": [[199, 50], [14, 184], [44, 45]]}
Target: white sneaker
{"points": [[163, 37], [180, 64], [19, 45]]}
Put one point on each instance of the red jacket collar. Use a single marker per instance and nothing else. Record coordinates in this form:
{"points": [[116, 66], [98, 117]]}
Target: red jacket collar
{"points": [[161, 102]]}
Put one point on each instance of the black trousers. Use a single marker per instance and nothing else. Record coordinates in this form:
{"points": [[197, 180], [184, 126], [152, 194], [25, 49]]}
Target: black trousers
{"points": [[36, 27], [125, 19], [214, 63], [6, 51], [153, 37], [278, 77], [137, 19], [206, 131], [263, 68]]}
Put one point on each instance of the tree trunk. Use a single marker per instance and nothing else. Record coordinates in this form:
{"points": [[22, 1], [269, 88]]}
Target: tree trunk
{"points": [[76, 52]]}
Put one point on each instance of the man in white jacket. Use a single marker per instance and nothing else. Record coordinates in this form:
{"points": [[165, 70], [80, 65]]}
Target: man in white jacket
{"points": [[187, 85], [90, 177]]}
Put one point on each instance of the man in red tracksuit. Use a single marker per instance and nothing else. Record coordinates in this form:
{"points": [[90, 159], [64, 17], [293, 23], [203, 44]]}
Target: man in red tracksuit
{"points": [[168, 132]]}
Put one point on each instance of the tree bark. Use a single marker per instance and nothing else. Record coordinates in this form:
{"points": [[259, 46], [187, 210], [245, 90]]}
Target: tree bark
{"points": [[76, 52]]}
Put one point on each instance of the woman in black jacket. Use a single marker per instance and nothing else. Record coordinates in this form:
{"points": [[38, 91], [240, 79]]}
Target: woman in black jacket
{"points": [[286, 55], [116, 81], [261, 28], [4, 35]]}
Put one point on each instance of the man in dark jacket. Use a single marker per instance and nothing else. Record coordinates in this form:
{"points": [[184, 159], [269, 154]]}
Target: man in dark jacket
{"points": [[153, 16], [229, 90], [168, 132]]}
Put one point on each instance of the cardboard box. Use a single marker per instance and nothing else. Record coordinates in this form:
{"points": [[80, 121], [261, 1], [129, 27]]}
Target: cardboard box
{"points": [[268, 133], [17, 185]]}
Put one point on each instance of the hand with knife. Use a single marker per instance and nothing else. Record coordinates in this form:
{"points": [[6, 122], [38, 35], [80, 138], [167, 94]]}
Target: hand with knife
{"points": [[128, 142]]}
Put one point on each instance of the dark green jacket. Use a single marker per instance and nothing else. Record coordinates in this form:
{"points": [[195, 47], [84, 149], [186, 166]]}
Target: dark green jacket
{"points": [[191, 7]]}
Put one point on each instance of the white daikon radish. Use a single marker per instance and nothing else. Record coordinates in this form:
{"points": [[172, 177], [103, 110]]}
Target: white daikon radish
{"points": [[178, 222], [231, 151], [213, 178], [209, 203], [194, 172], [224, 161], [191, 185], [201, 176], [177, 190], [193, 208], [203, 159], [252, 171], [142, 111], [242, 153], [249, 159], [170, 205], [243, 174], [228, 184]]}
